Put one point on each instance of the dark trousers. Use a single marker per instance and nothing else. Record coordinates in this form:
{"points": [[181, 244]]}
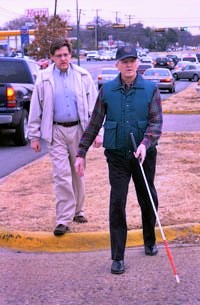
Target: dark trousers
{"points": [[120, 173]]}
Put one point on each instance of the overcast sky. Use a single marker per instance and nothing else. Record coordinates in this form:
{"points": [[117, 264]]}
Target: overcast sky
{"points": [[158, 13]]}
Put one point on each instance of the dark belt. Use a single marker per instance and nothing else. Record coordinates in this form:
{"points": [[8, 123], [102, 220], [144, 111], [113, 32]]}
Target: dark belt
{"points": [[67, 124]]}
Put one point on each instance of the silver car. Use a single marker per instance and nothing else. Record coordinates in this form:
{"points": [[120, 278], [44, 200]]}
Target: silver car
{"points": [[162, 77], [106, 75], [190, 72]]}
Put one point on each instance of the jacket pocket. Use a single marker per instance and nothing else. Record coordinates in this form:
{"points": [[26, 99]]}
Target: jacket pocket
{"points": [[110, 133], [142, 126]]}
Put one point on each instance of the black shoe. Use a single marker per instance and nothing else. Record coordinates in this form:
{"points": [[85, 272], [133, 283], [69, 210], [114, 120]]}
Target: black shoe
{"points": [[80, 219], [151, 250], [60, 230], [117, 267]]}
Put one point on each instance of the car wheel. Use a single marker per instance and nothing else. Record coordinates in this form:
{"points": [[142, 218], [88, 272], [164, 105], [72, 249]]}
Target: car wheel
{"points": [[195, 78], [172, 90], [21, 133], [175, 75]]}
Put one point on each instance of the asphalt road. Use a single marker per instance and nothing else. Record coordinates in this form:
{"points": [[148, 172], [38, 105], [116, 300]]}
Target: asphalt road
{"points": [[181, 122], [12, 157], [85, 278]]}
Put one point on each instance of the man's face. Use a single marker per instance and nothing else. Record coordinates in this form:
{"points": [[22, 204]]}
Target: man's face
{"points": [[62, 58], [128, 67]]}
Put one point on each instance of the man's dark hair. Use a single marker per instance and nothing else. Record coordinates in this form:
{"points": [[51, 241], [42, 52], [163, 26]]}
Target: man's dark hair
{"points": [[59, 43]]}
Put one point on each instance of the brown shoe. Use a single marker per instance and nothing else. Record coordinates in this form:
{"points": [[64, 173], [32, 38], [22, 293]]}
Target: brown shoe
{"points": [[80, 219], [60, 230]]}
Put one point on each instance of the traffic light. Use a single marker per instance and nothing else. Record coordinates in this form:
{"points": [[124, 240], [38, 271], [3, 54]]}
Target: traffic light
{"points": [[90, 27], [69, 28], [183, 29], [160, 30], [118, 26]]}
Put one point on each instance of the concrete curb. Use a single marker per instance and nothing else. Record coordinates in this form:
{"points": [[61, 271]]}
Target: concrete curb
{"points": [[181, 112], [87, 241]]}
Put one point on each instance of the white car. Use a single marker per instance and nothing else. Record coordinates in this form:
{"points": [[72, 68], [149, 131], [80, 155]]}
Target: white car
{"points": [[106, 75], [105, 56], [190, 57], [92, 55], [146, 59]]}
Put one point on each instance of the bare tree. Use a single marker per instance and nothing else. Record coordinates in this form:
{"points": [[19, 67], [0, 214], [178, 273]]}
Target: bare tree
{"points": [[47, 29]]}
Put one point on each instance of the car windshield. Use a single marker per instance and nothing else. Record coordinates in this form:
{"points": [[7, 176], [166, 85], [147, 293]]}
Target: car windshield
{"points": [[156, 73], [144, 66], [14, 72], [192, 59], [110, 71]]}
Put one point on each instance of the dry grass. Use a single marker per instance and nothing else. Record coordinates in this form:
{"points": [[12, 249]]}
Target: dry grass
{"points": [[187, 101], [27, 200]]}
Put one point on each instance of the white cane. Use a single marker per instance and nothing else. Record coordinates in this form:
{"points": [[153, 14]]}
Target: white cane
{"points": [[156, 214]]}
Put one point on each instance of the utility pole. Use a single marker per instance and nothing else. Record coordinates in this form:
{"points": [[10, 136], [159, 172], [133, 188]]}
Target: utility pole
{"points": [[116, 17], [129, 17], [78, 15], [55, 8], [117, 21], [96, 29]]}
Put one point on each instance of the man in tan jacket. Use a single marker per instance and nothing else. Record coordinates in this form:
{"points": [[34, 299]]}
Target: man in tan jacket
{"points": [[62, 102]]}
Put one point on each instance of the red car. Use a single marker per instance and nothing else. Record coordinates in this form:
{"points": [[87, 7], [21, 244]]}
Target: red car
{"points": [[43, 63]]}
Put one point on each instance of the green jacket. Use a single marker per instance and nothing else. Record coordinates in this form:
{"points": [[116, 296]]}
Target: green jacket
{"points": [[126, 112]]}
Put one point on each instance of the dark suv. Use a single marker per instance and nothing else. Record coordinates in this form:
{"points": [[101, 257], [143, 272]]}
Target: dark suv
{"points": [[174, 57], [164, 62], [17, 78]]}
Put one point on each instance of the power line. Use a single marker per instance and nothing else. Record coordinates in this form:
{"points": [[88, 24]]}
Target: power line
{"points": [[5, 11], [116, 16], [129, 18]]}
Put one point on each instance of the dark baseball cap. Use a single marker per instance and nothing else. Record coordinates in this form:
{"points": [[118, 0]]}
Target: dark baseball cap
{"points": [[126, 52]]}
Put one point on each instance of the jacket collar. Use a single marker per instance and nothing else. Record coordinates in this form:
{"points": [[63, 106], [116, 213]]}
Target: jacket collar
{"points": [[138, 83]]}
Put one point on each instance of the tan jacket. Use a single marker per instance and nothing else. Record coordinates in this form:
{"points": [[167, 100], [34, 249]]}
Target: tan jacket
{"points": [[40, 123]]}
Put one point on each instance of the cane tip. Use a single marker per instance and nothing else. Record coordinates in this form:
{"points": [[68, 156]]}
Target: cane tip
{"points": [[177, 279]]}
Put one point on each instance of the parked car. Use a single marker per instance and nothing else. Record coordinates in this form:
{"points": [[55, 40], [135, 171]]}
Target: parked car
{"points": [[43, 63], [107, 74], [17, 79], [174, 57], [147, 59], [113, 54], [162, 77], [164, 62], [105, 56], [181, 64], [92, 55], [190, 72], [143, 66], [190, 57]]}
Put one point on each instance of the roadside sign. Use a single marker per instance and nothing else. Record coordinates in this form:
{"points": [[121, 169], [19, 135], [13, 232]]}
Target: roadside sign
{"points": [[24, 33], [33, 12]]}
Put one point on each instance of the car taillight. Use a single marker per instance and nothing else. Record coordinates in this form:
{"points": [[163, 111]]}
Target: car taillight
{"points": [[99, 77], [166, 80], [11, 97]]}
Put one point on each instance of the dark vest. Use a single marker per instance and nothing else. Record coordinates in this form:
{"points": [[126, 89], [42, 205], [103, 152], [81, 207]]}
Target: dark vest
{"points": [[126, 112]]}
